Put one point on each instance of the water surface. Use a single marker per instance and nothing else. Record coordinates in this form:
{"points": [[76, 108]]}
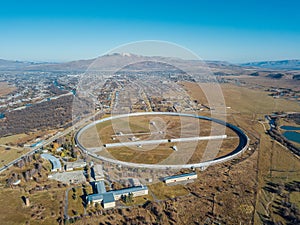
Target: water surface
{"points": [[290, 128], [292, 136]]}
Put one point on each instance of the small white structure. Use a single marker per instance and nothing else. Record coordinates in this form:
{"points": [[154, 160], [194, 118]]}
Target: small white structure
{"points": [[202, 168], [133, 138], [16, 182], [59, 149], [175, 148], [149, 180], [180, 177]]}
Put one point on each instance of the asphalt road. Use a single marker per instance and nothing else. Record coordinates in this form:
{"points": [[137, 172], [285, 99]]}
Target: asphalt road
{"points": [[151, 142]]}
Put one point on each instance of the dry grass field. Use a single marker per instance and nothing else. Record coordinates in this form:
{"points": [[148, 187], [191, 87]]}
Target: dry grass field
{"points": [[162, 191], [244, 100], [267, 82], [274, 162], [5, 88], [75, 201], [13, 139], [9, 149], [9, 154], [45, 205], [277, 165], [154, 156]]}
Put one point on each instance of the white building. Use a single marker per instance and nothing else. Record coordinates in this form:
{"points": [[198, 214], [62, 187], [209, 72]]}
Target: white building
{"points": [[75, 165], [136, 191], [180, 177]]}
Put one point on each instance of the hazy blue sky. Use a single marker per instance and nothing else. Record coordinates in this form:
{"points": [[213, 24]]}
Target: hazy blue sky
{"points": [[235, 31]]}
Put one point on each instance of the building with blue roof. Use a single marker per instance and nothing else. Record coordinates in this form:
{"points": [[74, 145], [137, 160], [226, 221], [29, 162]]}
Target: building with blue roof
{"points": [[100, 187], [107, 199], [56, 165], [136, 191], [93, 198]]}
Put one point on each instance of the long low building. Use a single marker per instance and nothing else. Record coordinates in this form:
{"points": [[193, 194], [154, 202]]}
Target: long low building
{"points": [[136, 191], [105, 198], [180, 177], [75, 165]]}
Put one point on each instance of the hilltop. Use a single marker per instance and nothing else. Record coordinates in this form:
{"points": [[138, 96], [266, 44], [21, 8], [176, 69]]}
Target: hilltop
{"points": [[278, 65]]}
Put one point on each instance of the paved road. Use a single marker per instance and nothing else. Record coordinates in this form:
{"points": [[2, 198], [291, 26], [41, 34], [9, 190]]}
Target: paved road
{"points": [[160, 141], [33, 149], [66, 216]]}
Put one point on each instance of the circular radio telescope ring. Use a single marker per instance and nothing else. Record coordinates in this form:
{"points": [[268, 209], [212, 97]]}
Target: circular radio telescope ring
{"points": [[242, 146]]}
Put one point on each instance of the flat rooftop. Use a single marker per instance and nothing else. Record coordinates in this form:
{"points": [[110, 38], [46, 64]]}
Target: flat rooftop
{"points": [[125, 191], [180, 175], [108, 197], [100, 187]]}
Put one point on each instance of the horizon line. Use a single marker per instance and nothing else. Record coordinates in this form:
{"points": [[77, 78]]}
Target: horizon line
{"points": [[57, 61]]}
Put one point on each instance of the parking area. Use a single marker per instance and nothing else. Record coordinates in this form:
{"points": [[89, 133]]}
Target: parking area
{"points": [[69, 177]]}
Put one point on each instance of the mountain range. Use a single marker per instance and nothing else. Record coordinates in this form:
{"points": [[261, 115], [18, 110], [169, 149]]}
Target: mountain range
{"points": [[115, 60], [276, 65]]}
